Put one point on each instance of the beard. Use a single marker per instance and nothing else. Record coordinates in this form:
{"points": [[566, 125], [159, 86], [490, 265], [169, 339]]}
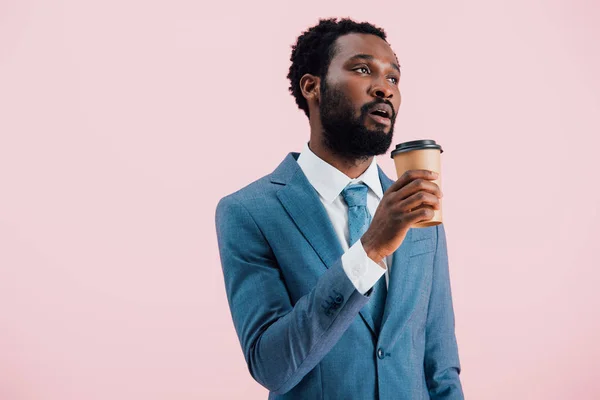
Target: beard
{"points": [[347, 135]]}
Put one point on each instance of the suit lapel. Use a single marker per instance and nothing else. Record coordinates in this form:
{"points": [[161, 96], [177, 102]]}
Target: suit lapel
{"points": [[407, 277], [302, 203]]}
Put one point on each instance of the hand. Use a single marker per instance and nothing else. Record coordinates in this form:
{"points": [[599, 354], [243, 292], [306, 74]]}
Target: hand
{"points": [[411, 199]]}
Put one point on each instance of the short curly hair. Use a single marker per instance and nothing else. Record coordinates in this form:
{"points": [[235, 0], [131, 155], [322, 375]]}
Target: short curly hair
{"points": [[314, 51]]}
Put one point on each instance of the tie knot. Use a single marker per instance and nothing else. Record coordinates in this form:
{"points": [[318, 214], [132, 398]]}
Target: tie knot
{"points": [[355, 195]]}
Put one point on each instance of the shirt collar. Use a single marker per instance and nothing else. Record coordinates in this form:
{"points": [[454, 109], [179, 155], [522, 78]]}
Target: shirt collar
{"points": [[330, 181]]}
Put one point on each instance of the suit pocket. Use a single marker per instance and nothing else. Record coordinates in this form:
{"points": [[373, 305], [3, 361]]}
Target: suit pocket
{"points": [[421, 247]]}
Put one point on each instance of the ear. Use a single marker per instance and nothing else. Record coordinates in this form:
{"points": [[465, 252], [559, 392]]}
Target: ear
{"points": [[310, 86]]}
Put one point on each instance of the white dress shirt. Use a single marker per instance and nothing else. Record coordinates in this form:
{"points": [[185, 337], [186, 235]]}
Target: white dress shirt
{"points": [[329, 182]]}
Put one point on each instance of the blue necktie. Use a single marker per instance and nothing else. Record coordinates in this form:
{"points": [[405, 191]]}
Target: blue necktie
{"points": [[359, 220]]}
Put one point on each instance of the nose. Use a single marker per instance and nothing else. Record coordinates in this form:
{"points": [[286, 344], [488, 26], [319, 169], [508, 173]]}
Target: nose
{"points": [[382, 90]]}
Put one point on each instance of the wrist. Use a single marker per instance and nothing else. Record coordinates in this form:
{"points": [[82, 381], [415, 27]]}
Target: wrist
{"points": [[371, 252]]}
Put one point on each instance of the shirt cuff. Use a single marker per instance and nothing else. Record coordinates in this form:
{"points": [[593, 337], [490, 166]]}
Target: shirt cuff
{"points": [[360, 269]]}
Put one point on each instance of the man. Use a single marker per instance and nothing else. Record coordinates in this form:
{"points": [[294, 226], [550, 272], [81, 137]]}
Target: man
{"points": [[333, 294]]}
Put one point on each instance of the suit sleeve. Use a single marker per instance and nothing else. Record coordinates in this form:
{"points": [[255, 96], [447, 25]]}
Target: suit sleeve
{"points": [[442, 365], [281, 342]]}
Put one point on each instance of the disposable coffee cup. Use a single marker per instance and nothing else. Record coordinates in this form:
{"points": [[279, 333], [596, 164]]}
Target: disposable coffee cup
{"points": [[420, 154]]}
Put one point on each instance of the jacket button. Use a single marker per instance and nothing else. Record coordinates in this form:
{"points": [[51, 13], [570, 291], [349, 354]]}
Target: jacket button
{"points": [[339, 298], [380, 354]]}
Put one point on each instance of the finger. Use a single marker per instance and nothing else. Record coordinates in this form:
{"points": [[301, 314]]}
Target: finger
{"points": [[410, 176], [419, 200], [425, 213], [433, 207], [418, 185]]}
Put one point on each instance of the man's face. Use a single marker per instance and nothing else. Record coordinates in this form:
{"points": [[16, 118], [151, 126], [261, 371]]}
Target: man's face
{"points": [[363, 74]]}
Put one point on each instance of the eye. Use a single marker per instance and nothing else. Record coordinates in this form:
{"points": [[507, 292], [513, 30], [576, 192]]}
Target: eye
{"points": [[359, 68], [395, 80]]}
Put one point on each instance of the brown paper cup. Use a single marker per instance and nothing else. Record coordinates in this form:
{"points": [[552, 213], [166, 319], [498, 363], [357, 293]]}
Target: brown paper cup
{"points": [[420, 154]]}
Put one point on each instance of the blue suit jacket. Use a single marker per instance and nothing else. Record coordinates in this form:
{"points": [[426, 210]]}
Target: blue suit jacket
{"points": [[302, 325]]}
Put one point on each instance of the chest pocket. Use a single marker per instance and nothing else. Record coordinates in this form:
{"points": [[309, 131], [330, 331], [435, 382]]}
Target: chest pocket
{"points": [[421, 246]]}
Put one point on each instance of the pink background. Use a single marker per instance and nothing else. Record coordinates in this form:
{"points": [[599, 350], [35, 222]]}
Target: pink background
{"points": [[122, 123]]}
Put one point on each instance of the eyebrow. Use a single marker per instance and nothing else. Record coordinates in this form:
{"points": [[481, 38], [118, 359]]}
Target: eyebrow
{"points": [[370, 58]]}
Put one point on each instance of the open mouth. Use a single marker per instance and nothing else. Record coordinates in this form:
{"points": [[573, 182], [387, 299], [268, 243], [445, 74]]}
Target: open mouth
{"points": [[381, 117], [381, 113]]}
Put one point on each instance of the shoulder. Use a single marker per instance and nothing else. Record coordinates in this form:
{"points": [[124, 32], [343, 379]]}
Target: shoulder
{"points": [[261, 194], [257, 199]]}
